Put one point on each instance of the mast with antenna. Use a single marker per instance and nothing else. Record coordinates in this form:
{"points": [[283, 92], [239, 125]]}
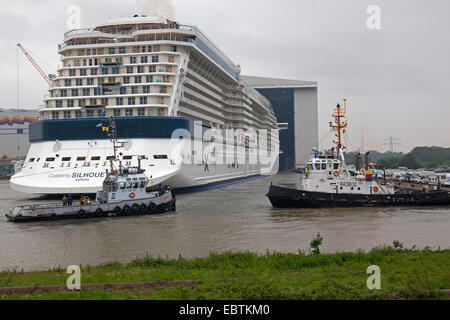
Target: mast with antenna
{"points": [[339, 124]]}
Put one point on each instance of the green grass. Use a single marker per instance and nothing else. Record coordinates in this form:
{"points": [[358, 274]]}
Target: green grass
{"points": [[248, 275]]}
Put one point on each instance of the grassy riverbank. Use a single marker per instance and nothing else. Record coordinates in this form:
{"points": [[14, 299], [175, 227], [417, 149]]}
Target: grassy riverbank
{"points": [[412, 273]]}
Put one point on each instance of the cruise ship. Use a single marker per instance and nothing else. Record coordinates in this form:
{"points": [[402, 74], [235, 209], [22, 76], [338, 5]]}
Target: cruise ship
{"points": [[179, 105]]}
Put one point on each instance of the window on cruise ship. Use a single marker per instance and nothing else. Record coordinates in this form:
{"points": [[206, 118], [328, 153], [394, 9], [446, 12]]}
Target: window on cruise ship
{"points": [[129, 69], [144, 59], [134, 90], [140, 69], [55, 115], [59, 103], [128, 111], [115, 70], [96, 158], [104, 70], [123, 90], [100, 113], [155, 58], [63, 92], [138, 79], [94, 72], [65, 159], [141, 112], [122, 50], [79, 82], [82, 72], [86, 92], [67, 82], [152, 69], [93, 102], [104, 101], [90, 113], [126, 80], [74, 92], [78, 114], [119, 101], [149, 79], [69, 103], [116, 112], [143, 100], [146, 89], [90, 82], [132, 59], [174, 48], [111, 50], [72, 72], [81, 158]]}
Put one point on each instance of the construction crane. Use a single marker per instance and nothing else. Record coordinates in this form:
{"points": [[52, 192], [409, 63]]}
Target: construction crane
{"points": [[41, 72]]}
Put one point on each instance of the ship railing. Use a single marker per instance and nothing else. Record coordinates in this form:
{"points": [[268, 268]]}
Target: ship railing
{"points": [[211, 44], [175, 39], [257, 96]]}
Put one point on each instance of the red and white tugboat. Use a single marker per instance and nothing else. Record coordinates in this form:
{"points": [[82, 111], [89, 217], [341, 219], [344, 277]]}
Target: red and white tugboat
{"points": [[327, 182]]}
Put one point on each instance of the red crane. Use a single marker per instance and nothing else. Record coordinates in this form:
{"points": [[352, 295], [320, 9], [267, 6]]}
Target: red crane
{"points": [[41, 72]]}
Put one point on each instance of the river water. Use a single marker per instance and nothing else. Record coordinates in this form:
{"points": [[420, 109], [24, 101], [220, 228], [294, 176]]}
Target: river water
{"points": [[237, 217]]}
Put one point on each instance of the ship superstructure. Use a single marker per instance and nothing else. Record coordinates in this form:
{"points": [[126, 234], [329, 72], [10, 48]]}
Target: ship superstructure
{"points": [[154, 77]]}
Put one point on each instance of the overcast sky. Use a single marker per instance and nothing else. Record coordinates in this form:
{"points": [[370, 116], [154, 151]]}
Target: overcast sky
{"points": [[397, 78]]}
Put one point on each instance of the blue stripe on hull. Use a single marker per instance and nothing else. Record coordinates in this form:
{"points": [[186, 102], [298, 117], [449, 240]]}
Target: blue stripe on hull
{"points": [[218, 185]]}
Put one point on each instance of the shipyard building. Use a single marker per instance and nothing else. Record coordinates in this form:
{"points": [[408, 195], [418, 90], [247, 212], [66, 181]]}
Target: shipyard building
{"points": [[14, 131], [294, 102]]}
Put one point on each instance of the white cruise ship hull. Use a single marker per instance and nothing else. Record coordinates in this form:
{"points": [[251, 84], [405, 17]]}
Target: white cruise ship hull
{"points": [[86, 176]]}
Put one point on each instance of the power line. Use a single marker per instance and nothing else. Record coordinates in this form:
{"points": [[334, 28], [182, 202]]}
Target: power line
{"points": [[391, 141]]}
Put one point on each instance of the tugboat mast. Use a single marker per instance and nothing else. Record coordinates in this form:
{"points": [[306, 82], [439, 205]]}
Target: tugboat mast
{"points": [[339, 124]]}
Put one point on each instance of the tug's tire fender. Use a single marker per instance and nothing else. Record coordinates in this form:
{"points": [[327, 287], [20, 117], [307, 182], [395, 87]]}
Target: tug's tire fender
{"points": [[152, 206], [126, 209], [117, 210], [135, 207], [296, 197], [82, 213], [99, 212], [143, 207]]}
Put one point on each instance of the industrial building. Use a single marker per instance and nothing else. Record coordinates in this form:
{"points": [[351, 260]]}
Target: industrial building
{"points": [[14, 131], [295, 102]]}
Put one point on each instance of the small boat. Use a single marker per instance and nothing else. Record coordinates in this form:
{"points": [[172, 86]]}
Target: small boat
{"points": [[124, 192], [326, 181]]}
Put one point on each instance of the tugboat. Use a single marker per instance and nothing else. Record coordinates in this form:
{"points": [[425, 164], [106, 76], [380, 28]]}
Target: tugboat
{"points": [[124, 192], [326, 181]]}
